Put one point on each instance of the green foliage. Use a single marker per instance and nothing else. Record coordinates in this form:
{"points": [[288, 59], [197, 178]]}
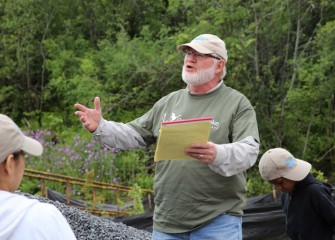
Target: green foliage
{"points": [[133, 167], [87, 191], [136, 194], [30, 186], [57, 53], [315, 132], [255, 184], [319, 175]]}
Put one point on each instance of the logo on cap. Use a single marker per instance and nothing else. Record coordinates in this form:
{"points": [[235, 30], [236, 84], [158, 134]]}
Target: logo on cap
{"points": [[291, 162], [200, 38]]}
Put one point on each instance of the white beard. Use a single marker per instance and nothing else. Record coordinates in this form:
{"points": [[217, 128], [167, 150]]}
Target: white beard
{"points": [[201, 77]]}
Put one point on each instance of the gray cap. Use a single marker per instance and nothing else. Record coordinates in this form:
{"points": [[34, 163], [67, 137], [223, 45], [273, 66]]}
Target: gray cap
{"points": [[207, 44], [13, 140], [278, 162]]}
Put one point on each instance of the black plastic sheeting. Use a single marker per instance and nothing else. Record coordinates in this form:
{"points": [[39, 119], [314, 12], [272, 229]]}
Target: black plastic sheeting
{"points": [[263, 217]]}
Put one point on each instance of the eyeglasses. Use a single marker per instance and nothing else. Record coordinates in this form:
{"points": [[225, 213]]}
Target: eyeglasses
{"points": [[189, 52]]}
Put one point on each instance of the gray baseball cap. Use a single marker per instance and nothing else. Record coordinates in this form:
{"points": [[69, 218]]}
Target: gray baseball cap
{"points": [[278, 162], [207, 44], [13, 140]]}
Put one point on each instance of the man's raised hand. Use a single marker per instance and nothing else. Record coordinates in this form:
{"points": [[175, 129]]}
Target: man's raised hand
{"points": [[89, 117]]}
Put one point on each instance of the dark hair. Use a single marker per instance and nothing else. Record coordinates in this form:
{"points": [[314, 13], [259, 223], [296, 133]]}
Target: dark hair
{"points": [[18, 153]]}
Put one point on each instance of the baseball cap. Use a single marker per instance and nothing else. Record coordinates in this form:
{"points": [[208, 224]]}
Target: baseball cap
{"points": [[207, 44], [13, 140], [278, 162]]}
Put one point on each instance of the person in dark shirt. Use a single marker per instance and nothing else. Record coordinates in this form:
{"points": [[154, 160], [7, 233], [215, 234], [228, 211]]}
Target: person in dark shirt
{"points": [[308, 204]]}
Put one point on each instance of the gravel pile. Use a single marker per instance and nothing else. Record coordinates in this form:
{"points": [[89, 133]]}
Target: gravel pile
{"points": [[87, 226]]}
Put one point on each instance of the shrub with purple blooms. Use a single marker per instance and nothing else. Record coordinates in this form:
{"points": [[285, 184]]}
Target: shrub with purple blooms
{"points": [[80, 156]]}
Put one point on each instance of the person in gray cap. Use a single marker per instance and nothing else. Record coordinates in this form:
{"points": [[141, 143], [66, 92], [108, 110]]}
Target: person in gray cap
{"points": [[200, 198], [308, 203], [23, 218]]}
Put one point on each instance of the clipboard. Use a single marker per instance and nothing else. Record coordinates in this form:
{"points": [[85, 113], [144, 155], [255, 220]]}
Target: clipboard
{"points": [[175, 136]]}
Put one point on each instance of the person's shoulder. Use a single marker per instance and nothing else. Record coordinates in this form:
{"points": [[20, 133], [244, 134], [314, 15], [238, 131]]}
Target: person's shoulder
{"points": [[39, 218], [17, 198], [43, 212], [233, 91], [235, 96], [179, 91], [319, 188], [172, 95], [46, 207]]}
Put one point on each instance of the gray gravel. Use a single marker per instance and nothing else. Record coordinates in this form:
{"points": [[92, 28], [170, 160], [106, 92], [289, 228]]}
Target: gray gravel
{"points": [[87, 226]]}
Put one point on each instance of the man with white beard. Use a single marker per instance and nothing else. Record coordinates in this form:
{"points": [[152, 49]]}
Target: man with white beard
{"points": [[201, 198]]}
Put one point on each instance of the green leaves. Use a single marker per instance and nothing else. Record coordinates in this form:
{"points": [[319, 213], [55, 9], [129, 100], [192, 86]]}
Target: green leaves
{"points": [[281, 56]]}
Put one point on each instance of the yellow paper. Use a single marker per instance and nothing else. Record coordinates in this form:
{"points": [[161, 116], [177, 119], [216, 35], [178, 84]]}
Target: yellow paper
{"points": [[177, 136]]}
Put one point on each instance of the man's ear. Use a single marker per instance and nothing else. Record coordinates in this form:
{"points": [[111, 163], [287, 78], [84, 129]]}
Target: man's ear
{"points": [[220, 66], [9, 164]]}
